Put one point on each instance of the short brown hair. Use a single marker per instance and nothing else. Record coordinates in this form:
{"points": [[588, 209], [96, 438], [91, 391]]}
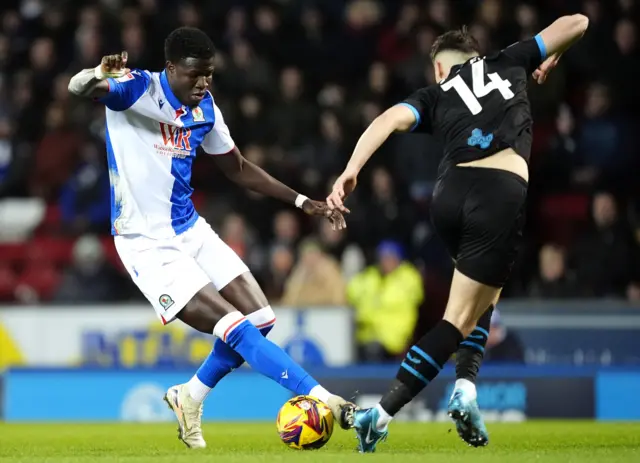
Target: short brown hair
{"points": [[457, 40]]}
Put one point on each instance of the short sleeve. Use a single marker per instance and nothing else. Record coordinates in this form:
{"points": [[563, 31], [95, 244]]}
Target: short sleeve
{"points": [[421, 103], [527, 54], [126, 90], [218, 140]]}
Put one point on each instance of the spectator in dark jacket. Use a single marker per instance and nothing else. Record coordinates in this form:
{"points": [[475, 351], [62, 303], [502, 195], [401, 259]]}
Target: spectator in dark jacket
{"points": [[604, 257], [503, 345], [554, 280]]}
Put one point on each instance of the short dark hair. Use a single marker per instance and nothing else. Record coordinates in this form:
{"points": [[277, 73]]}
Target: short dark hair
{"points": [[188, 42], [457, 40]]}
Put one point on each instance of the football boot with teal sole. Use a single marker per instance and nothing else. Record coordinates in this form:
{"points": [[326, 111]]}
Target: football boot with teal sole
{"points": [[468, 420], [364, 422]]}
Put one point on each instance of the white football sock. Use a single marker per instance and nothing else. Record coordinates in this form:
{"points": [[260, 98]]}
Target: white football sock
{"points": [[320, 393], [467, 388], [197, 389], [383, 420]]}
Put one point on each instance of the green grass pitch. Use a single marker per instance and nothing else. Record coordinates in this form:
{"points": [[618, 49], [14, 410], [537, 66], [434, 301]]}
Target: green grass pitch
{"points": [[537, 441]]}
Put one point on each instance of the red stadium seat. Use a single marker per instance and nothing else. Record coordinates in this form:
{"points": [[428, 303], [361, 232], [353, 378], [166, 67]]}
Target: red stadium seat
{"points": [[573, 207], [51, 221], [12, 253], [561, 215], [43, 278], [47, 249], [7, 283]]}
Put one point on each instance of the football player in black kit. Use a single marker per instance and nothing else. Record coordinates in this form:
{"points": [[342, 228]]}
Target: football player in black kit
{"points": [[481, 111]]}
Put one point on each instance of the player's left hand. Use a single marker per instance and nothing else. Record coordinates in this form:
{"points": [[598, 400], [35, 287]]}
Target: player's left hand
{"points": [[540, 75], [321, 208], [343, 187]]}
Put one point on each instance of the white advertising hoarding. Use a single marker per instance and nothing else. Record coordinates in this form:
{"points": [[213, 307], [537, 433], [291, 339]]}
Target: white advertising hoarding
{"points": [[131, 336]]}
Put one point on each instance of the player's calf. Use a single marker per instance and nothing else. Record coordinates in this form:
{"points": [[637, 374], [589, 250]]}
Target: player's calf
{"points": [[420, 366], [208, 309], [270, 360], [424, 360], [223, 359], [463, 408], [471, 351]]}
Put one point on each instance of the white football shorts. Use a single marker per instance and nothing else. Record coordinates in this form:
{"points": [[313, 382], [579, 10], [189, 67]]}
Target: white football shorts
{"points": [[170, 271]]}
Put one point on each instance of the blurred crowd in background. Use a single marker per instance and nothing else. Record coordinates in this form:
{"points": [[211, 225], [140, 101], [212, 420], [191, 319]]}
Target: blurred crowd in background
{"points": [[298, 81]]}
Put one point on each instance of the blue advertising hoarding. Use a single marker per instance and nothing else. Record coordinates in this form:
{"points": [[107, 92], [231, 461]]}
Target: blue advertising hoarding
{"points": [[617, 395], [505, 394], [130, 395]]}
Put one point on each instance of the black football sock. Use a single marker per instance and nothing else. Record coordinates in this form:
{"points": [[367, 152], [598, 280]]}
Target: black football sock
{"points": [[421, 365], [471, 351]]}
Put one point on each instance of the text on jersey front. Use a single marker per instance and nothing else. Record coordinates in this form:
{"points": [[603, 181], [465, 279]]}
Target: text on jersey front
{"points": [[175, 141]]}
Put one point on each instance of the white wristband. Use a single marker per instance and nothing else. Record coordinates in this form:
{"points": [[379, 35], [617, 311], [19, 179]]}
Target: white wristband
{"points": [[100, 75], [300, 200], [98, 72]]}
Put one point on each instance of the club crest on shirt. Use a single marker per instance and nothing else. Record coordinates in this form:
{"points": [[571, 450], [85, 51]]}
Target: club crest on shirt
{"points": [[165, 301], [198, 115]]}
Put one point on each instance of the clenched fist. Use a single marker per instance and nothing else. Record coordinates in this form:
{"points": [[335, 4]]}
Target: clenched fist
{"points": [[114, 65]]}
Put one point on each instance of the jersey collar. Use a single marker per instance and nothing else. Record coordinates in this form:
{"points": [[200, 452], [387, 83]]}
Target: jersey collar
{"points": [[166, 88]]}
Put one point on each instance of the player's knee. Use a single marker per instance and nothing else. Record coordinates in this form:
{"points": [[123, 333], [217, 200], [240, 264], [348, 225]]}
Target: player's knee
{"points": [[198, 317], [202, 312], [264, 319], [465, 321], [468, 300], [461, 313]]}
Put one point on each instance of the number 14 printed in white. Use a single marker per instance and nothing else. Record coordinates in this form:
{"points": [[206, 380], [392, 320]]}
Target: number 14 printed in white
{"points": [[480, 89]]}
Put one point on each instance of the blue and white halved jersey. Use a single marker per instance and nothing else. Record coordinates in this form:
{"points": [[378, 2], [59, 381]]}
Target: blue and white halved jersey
{"points": [[151, 145]]}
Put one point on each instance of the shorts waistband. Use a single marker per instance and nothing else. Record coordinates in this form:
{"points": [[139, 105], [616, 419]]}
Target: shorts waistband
{"points": [[490, 171]]}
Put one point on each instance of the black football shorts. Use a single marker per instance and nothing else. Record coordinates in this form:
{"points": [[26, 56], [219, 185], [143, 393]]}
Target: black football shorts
{"points": [[480, 213]]}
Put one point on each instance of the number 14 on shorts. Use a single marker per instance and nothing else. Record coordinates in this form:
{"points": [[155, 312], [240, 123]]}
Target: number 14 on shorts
{"points": [[480, 89]]}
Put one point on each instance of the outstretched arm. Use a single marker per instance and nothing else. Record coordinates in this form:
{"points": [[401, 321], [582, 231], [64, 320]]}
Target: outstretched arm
{"points": [[93, 83], [558, 38], [248, 175], [220, 145], [398, 118], [563, 33]]}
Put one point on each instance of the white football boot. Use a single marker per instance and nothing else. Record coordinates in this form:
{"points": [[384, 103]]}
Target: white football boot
{"points": [[342, 411], [189, 415]]}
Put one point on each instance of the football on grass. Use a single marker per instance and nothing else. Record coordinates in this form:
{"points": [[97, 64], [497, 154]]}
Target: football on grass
{"points": [[305, 423]]}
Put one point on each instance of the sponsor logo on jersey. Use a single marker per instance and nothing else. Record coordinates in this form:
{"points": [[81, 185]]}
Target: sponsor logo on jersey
{"points": [[480, 140], [176, 141]]}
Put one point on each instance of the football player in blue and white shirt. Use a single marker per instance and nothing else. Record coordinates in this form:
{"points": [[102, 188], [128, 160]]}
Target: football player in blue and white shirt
{"points": [[155, 123]]}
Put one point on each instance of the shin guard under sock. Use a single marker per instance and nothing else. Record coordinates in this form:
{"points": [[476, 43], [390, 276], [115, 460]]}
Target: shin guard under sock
{"points": [[421, 365], [471, 351]]}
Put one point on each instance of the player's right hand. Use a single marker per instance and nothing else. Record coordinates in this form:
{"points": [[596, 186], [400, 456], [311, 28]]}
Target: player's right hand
{"points": [[115, 65], [540, 75], [343, 187]]}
